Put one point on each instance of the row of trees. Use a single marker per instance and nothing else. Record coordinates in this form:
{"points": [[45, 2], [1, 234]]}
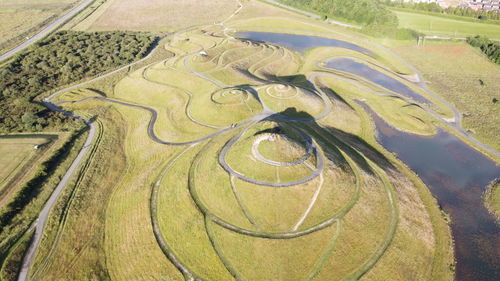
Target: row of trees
{"points": [[490, 48], [456, 11], [63, 58], [373, 15], [364, 12]]}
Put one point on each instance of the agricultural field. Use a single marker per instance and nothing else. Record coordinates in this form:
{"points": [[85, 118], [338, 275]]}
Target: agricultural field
{"points": [[233, 160], [155, 15], [18, 17], [432, 25], [18, 155]]}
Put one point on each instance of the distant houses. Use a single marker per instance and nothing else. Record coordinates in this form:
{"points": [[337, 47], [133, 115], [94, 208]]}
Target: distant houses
{"points": [[489, 5]]}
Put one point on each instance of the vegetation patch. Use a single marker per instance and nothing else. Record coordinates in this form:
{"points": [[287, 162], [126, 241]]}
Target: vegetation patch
{"points": [[490, 48], [61, 59], [492, 198]]}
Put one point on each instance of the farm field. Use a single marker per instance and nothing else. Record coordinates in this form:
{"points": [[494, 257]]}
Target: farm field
{"points": [[465, 78], [156, 15], [432, 25], [17, 154], [20, 16], [198, 190]]}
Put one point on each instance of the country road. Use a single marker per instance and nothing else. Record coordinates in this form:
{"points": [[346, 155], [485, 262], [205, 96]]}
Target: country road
{"points": [[44, 214], [47, 30]]}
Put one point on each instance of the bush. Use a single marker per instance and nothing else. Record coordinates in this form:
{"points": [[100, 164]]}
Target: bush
{"points": [[490, 48]]}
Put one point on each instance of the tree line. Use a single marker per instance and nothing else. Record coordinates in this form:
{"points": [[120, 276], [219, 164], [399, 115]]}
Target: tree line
{"points": [[490, 48], [373, 15], [63, 58], [364, 12]]}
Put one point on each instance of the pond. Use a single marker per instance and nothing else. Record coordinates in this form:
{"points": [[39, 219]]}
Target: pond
{"points": [[375, 76], [300, 43]]}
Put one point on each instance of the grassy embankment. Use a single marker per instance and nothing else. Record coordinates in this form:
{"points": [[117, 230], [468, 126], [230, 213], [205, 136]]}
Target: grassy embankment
{"points": [[492, 199]]}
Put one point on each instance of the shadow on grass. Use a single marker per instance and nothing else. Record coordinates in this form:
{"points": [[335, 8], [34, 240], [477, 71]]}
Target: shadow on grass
{"points": [[332, 140]]}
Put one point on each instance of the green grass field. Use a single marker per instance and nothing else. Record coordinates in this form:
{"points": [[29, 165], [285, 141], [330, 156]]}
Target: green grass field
{"points": [[216, 200], [465, 78], [432, 25], [221, 159]]}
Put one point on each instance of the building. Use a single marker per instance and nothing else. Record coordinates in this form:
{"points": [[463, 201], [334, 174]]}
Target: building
{"points": [[490, 5]]}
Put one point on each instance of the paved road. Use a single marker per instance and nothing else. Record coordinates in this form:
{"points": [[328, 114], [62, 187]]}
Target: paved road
{"points": [[44, 214], [44, 32]]}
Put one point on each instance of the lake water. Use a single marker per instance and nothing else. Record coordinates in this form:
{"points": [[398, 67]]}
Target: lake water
{"points": [[375, 76], [457, 176], [300, 43]]}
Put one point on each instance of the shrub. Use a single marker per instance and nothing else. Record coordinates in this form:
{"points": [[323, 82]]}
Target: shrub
{"points": [[490, 48]]}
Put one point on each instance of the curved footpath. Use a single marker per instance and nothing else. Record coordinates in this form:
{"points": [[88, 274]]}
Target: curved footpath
{"points": [[47, 30]]}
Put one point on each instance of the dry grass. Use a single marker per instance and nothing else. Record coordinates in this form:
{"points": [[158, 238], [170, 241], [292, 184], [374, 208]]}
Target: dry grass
{"points": [[160, 15], [17, 17], [18, 159]]}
